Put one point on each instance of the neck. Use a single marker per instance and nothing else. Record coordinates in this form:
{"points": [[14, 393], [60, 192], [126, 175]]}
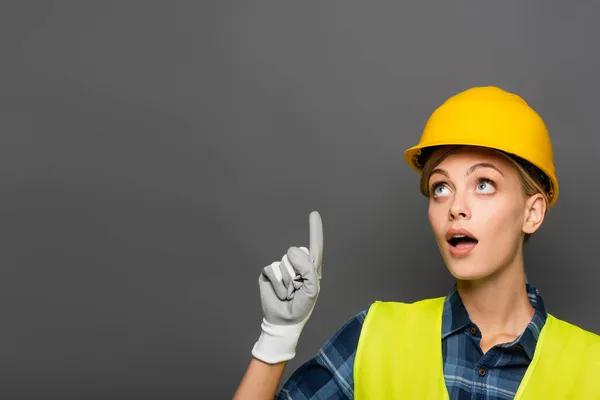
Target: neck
{"points": [[498, 305]]}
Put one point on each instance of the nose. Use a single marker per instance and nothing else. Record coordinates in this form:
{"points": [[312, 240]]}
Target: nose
{"points": [[459, 209]]}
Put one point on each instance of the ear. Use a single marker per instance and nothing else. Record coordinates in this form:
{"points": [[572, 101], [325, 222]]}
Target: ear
{"points": [[535, 210]]}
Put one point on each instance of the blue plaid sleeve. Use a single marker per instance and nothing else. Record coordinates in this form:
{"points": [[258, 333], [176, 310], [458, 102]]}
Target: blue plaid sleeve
{"points": [[328, 375]]}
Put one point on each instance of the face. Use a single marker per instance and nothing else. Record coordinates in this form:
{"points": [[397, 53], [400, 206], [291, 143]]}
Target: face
{"points": [[479, 213]]}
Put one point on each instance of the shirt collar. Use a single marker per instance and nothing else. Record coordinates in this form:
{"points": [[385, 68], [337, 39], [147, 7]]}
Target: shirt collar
{"points": [[455, 318]]}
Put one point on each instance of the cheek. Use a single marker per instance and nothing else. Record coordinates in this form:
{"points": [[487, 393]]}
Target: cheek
{"points": [[438, 216], [502, 220]]}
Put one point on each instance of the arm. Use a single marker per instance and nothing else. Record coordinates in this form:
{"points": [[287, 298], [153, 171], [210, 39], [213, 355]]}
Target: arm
{"points": [[260, 381], [288, 293]]}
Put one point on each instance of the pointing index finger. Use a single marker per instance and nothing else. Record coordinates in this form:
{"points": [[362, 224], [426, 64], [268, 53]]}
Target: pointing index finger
{"points": [[316, 238]]}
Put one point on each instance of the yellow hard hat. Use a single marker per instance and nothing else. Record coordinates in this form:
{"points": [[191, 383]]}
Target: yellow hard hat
{"points": [[491, 117]]}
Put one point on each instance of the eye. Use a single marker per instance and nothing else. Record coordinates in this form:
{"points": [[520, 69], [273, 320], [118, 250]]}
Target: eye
{"points": [[437, 189], [485, 186]]}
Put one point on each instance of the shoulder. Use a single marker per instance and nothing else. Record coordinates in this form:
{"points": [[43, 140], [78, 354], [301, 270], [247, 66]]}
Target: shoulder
{"points": [[329, 374], [394, 310], [341, 346], [581, 343], [339, 352], [572, 331]]}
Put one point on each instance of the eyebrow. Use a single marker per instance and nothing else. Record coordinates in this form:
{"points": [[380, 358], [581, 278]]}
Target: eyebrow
{"points": [[469, 171]]}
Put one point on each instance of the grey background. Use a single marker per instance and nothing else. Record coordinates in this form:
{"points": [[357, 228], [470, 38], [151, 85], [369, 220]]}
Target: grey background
{"points": [[154, 156]]}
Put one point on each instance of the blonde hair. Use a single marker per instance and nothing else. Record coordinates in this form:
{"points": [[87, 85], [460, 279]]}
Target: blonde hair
{"points": [[532, 180]]}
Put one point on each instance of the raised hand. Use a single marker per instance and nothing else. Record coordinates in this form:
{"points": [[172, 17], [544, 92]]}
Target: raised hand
{"points": [[288, 291]]}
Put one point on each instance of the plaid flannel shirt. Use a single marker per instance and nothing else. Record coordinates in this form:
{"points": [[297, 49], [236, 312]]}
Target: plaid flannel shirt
{"points": [[329, 375]]}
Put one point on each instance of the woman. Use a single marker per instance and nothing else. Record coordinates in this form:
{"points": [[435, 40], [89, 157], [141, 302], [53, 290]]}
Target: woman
{"points": [[486, 165]]}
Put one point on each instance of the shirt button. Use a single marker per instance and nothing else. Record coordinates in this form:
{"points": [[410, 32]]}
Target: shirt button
{"points": [[481, 371], [473, 331]]}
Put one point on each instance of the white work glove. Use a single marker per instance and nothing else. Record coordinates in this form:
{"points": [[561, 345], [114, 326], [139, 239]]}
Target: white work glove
{"points": [[288, 291]]}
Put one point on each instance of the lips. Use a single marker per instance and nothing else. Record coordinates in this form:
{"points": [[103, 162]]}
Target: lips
{"points": [[460, 241]]}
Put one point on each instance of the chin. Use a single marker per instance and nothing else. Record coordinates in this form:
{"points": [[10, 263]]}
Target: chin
{"points": [[462, 275], [468, 270]]}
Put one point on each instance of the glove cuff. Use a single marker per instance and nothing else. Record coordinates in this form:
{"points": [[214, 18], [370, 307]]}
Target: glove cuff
{"points": [[277, 343]]}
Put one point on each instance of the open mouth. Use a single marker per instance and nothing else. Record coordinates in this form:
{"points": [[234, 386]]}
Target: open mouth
{"points": [[460, 240]]}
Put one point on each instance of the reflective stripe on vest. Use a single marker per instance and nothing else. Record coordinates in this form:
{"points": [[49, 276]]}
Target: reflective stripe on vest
{"points": [[399, 356]]}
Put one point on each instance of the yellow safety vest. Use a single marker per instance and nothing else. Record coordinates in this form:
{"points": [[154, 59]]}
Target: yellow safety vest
{"points": [[399, 356]]}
